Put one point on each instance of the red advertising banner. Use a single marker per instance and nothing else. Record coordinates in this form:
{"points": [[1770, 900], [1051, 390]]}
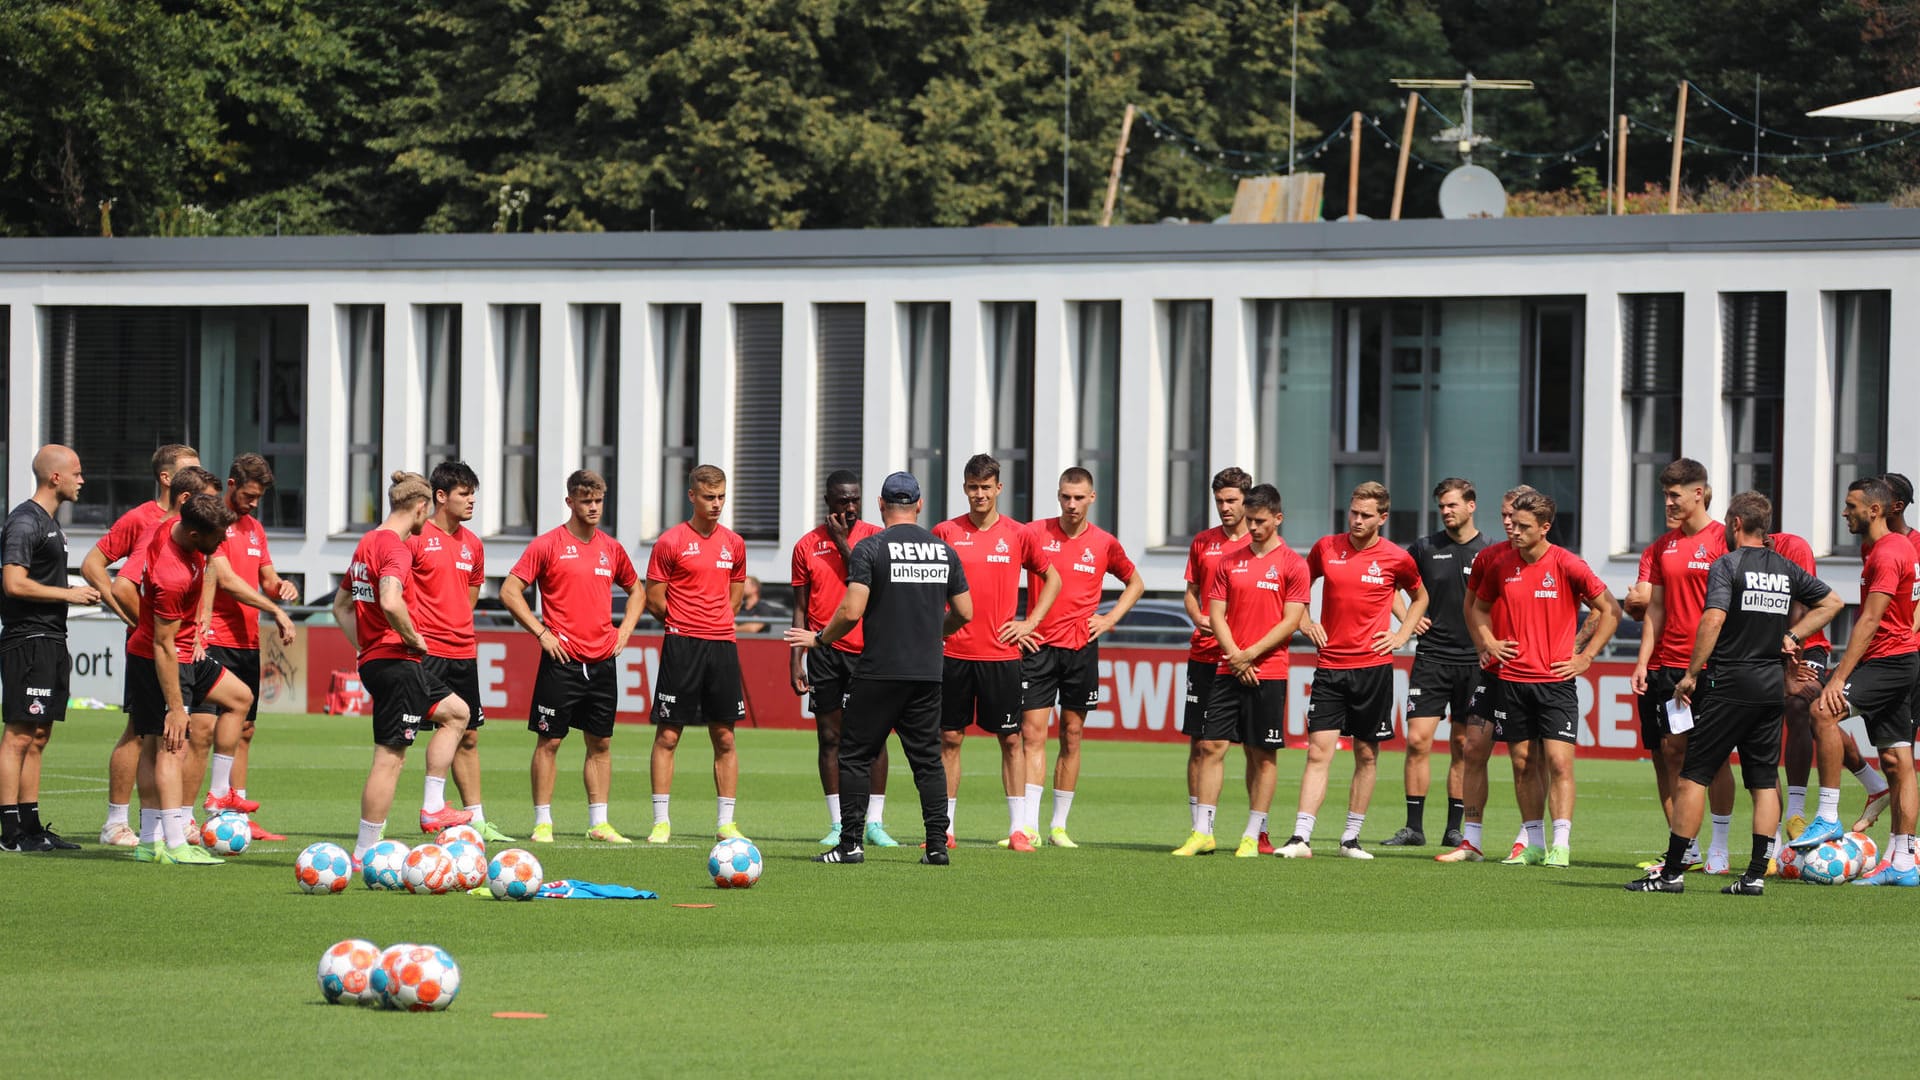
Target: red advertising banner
{"points": [[1142, 690]]}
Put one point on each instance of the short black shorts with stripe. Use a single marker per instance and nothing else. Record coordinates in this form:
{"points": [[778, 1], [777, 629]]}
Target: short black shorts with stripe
{"points": [[34, 678], [1549, 710], [1200, 678], [1881, 693], [830, 674], [1721, 727], [1653, 705], [574, 696], [1437, 689], [1356, 702], [1070, 677], [242, 664], [1254, 716], [147, 706], [699, 683], [982, 692], [463, 678], [1488, 703], [404, 697]]}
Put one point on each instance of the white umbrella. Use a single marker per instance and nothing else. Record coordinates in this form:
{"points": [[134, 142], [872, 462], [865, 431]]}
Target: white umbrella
{"points": [[1901, 106]]}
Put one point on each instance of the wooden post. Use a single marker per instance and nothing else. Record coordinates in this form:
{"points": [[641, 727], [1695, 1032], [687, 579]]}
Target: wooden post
{"points": [[1406, 145], [1353, 172], [1620, 168], [1679, 140], [1113, 177]]}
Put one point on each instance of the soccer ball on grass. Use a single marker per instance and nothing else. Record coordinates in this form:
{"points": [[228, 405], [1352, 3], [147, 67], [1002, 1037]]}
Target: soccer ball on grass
{"points": [[734, 864], [1826, 864], [227, 833], [469, 864], [461, 832], [428, 870], [514, 874], [418, 978], [323, 868], [347, 973], [380, 867]]}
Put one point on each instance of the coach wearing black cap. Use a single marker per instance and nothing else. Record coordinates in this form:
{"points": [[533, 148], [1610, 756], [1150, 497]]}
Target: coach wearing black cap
{"points": [[908, 587]]}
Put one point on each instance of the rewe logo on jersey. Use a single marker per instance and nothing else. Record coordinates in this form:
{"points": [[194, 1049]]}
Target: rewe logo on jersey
{"points": [[1000, 555], [725, 561], [1372, 576], [1547, 590]]}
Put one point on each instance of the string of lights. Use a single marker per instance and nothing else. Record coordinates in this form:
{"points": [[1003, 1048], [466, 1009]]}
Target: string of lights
{"points": [[1797, 139], [1775, 155]]}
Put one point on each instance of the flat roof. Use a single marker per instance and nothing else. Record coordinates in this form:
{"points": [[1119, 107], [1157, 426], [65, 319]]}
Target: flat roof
{"points": [[1821, 231]]}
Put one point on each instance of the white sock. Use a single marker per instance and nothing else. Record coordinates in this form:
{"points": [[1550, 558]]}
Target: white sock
{"points": [[1062, 803], [1303, 826], [543, 813], [173, 822], [1562, 831], [434, 798], [240, 791], [1722, 825], [1521, 836], [117, 813], [149, 825], [877, 807], [1016, 813], [1693, 851], [1256, 823], [1354, 824], [369, 836], [1796, 800], [1034, 794], [1193, 812], [1205, 825], [723, 812], [1829, 804], [1870, 779], [1472, 829], [1903, 852], [596, 814], [479, 813], [660, 808], [833, 808], [222, 774], [1536, 831]]}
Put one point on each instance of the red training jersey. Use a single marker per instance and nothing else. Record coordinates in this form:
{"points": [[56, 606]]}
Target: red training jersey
{"points": [[1679, 571], [1257, 590], [129, 533], [1082, 562], [1801, 553], [235, 625], [699, 572], [1487, 565], [1542, 601], [447, 567], [1646, 562], [175, 576], [380, 554], [1357, 601], [1203, 558], [135, 568], [819, 569], [576, 579], [992, 558], [1887, 566]]}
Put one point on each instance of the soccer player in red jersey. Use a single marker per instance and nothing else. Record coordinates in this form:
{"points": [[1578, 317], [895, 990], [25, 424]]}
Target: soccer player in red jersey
{"points": [[1875, 678], [449, 566], [696, 576], [119, 543], [819, 581], [167, 676], [1230, 487], [1542, 586], [374, 608], [242, 569], [575, 567], [1352, 692], [1066, 667], [1677, 564], [1256, 599], [982, 670]]}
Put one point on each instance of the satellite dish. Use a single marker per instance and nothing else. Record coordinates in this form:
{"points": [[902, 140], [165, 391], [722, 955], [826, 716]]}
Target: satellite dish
{"points": [[1472, 192]]}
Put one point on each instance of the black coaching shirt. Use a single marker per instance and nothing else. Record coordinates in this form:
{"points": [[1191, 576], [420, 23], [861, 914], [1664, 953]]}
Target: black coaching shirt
{"points": [[1756, 587], [1444, 568], [909, 574], [31, 538]]}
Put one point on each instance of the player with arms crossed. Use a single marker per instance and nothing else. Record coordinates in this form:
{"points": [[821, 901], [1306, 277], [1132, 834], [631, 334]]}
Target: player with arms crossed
{"points": [[1257, 599], [1066, 667], [1734, 683], [819, 582], [374, 608], [696, 576], [1353, 685], [575, 566], [1230, 487], [981, 669], [1543, 587], [120, 542], [908, 587]]}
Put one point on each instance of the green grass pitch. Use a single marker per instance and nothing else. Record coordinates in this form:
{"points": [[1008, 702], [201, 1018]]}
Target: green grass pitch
{"points": [[1112, 959]]}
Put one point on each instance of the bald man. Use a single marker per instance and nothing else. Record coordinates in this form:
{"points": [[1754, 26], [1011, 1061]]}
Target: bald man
{"points": [[34, 662]]}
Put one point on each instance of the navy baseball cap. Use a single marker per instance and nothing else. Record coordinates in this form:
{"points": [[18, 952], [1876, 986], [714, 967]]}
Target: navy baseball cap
{"points": [[900, 488]]}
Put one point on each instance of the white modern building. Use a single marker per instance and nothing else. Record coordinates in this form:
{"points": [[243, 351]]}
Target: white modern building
{"points": [[1578, 355]]}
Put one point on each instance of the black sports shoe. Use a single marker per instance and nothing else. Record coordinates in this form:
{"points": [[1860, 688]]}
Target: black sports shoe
{"points": [[57, 842], [935, 856], [1453, 839], [12, 847], [854, 854], [1656, 883], [1407, 838], [1746, 886], [33, 843]]}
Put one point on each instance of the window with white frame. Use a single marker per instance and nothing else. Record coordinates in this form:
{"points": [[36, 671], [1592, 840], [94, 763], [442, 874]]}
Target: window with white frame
{"points": [[519, 330], [1859, 356], [929, 348], [1097, 367], [677, 344], [440, 371], [840, 372], [599, 329], [1010, 364], [1188, 381], [753, 490], [1650, 333], [1754, 389]]}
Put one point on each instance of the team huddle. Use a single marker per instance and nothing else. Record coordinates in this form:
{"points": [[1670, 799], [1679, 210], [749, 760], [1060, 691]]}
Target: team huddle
{"points": [[924, 633]]}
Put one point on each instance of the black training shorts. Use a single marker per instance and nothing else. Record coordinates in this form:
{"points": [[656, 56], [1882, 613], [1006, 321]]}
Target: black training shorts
{"points": [[404, 697], [1200, 678], [1881, 692], [1254, 716], [1436, 689], [830, 673], [699, 683], [1356, 702], [462, 677], [1488, 703], [147, 706], [242, 664], [1542, 710], [34, 676], [1070, 677], [1653, 705], [1720, 727], [575, 696], [983, 692]]}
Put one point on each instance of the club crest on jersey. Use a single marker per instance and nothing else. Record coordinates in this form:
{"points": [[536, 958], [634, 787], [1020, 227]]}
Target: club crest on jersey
{"points": [[605, 567], [1372, 576], [1547, 590], [1000, 555], [1273, 573], [725, 561]]}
